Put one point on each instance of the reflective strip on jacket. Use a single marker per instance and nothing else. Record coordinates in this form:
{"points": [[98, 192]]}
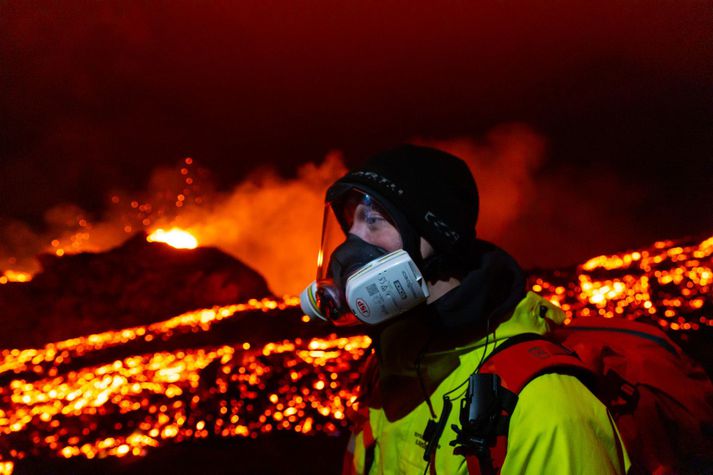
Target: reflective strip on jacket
{"points": [[558, 426]]}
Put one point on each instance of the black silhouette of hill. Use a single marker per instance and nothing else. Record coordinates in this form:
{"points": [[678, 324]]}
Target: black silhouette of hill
{"points": [[136, 283]]}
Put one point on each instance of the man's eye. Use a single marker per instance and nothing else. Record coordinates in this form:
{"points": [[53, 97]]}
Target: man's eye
{"points": [[373, 218]]}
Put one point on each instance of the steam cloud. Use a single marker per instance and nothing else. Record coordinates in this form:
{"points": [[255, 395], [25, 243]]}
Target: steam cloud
{"points": [[271, 223], [620, 93], [545, 218]]}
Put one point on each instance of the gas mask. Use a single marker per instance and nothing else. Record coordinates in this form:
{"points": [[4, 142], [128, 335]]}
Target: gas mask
{"points": [[361, 282]]}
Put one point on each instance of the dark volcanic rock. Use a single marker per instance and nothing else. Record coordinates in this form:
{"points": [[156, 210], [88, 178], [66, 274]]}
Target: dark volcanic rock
{"points": [[136, 283]]}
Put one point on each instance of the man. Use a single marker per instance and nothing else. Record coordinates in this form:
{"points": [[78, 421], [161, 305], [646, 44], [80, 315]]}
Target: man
{"points": [[399, 255]]}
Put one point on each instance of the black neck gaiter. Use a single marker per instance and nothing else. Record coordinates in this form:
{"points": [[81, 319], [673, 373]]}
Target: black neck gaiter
{"points": [[487, 294]]}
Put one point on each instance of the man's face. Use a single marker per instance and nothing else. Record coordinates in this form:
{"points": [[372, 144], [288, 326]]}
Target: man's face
{"points": [[370, 225]]}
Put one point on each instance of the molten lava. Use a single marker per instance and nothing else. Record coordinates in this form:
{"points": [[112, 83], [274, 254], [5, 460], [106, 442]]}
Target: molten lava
{"points": [[127, 406], [669, 283], [74, 399], [175, 237]]}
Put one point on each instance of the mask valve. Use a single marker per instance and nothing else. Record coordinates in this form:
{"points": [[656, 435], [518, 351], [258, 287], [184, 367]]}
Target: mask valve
{"points": [[308, 302]]}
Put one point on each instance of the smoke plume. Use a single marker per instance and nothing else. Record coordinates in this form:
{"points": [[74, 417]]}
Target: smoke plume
{"points": [[545, 216]]}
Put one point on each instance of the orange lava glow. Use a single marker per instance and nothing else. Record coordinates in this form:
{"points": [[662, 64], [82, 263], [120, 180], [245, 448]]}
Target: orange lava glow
{"points": [[669, 283], [174, 237], [68, 399], [132, 404], [184, 210], [15, 276]]}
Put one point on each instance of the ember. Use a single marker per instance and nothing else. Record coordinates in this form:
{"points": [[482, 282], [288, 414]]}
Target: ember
{"points": [[15, 276], [63, 400]]}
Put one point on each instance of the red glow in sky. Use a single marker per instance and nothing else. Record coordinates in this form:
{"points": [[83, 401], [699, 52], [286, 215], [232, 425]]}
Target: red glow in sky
{"points": [[96, 95]]}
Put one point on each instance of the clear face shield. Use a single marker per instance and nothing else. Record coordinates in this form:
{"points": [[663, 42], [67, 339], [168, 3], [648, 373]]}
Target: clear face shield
{"points": [[363, 274]]}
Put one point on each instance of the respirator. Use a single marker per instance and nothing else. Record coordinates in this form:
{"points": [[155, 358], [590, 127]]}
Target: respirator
{"points": [[360, 282]]}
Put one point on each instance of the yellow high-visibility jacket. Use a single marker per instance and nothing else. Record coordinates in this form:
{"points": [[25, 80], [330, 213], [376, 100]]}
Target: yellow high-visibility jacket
{"points": [[558, 426]]}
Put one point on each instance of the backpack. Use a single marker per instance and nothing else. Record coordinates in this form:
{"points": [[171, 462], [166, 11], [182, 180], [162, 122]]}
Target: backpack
{"points": [[661, 400]]}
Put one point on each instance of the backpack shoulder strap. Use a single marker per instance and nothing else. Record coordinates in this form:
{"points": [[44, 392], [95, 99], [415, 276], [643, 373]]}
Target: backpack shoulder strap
{"points": [[507, 370], [522, 358]]}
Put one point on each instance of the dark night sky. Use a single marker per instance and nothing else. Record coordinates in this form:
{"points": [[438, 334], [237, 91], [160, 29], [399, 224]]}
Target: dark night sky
{"points": [[95, 95]]}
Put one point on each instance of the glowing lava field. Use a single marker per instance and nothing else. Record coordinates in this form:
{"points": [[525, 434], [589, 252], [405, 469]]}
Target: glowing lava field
{"points": [[251, 371]]}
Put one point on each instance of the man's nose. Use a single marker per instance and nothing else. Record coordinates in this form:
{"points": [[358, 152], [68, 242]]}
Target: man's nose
{"points": [[359, 230]]}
